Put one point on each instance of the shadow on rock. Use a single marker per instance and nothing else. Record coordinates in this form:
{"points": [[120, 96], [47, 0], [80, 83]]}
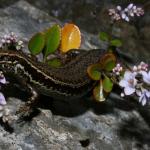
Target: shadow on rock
{"points": [[72, 108], [6, 3], [77, 107], [6, 126], [135, 129], [145, 113]]}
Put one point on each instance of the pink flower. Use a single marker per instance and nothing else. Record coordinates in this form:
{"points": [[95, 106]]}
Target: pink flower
{"points": [[2, 99], [11, 40], [127, 13], [140, 68], [130, 6], [128, 83], [117, 70], [144, 95], [146, 77], [2, 78]]}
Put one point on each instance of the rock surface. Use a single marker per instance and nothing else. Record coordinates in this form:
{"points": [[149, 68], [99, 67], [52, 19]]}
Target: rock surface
{"points": [[89, 15], [82, 124]]}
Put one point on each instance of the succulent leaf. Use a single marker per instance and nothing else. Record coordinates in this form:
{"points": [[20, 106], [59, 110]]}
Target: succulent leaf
{"points": [[98, 92], [37, 43], [116, 43], [107, 84], [94, 71], [108, 61], [52, 36], [104, 36], [55, 62]]}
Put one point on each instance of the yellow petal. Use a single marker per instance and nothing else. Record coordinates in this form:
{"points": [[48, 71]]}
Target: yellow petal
{"points": [[70, 38]]}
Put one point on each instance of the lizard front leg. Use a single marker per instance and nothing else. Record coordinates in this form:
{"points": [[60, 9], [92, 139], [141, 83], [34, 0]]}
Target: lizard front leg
{"points": [[28, 107]]}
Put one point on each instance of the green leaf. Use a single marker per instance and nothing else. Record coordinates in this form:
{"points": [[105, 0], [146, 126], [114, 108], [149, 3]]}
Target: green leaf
{"points": [[116, 43], [108, 61], [36, 43], [55, 62], [53, 36], [98, 93], [104, 36], [110, 65], [94, 71], [107, 84]]}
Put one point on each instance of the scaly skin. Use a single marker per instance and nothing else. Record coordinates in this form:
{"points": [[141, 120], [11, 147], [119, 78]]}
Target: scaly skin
{"points": [[68, 82]]}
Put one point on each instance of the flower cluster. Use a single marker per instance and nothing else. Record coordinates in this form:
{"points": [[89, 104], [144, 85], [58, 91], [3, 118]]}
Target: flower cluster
{"points": [[141, 67], [2, 81], [137, 81], [6, 111], [118, 69], [125, 14], [10, 41]]}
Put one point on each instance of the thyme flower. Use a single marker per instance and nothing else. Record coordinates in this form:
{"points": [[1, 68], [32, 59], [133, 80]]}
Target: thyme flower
{"points": [[11, 41], [2, 78], [127, 13], [137, 81], [146, 77], [128, 83], [2, 99], [2, 81], [118, 69], [144, 96]]}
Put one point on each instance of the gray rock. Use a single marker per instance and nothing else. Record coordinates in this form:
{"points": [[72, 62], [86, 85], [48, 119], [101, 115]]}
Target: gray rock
{"points": [[92, 16], [33, 20], [82, 124]]}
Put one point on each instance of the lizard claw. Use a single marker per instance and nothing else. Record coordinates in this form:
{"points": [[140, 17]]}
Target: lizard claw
{"points": [[24, 111], [27, 112]]}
